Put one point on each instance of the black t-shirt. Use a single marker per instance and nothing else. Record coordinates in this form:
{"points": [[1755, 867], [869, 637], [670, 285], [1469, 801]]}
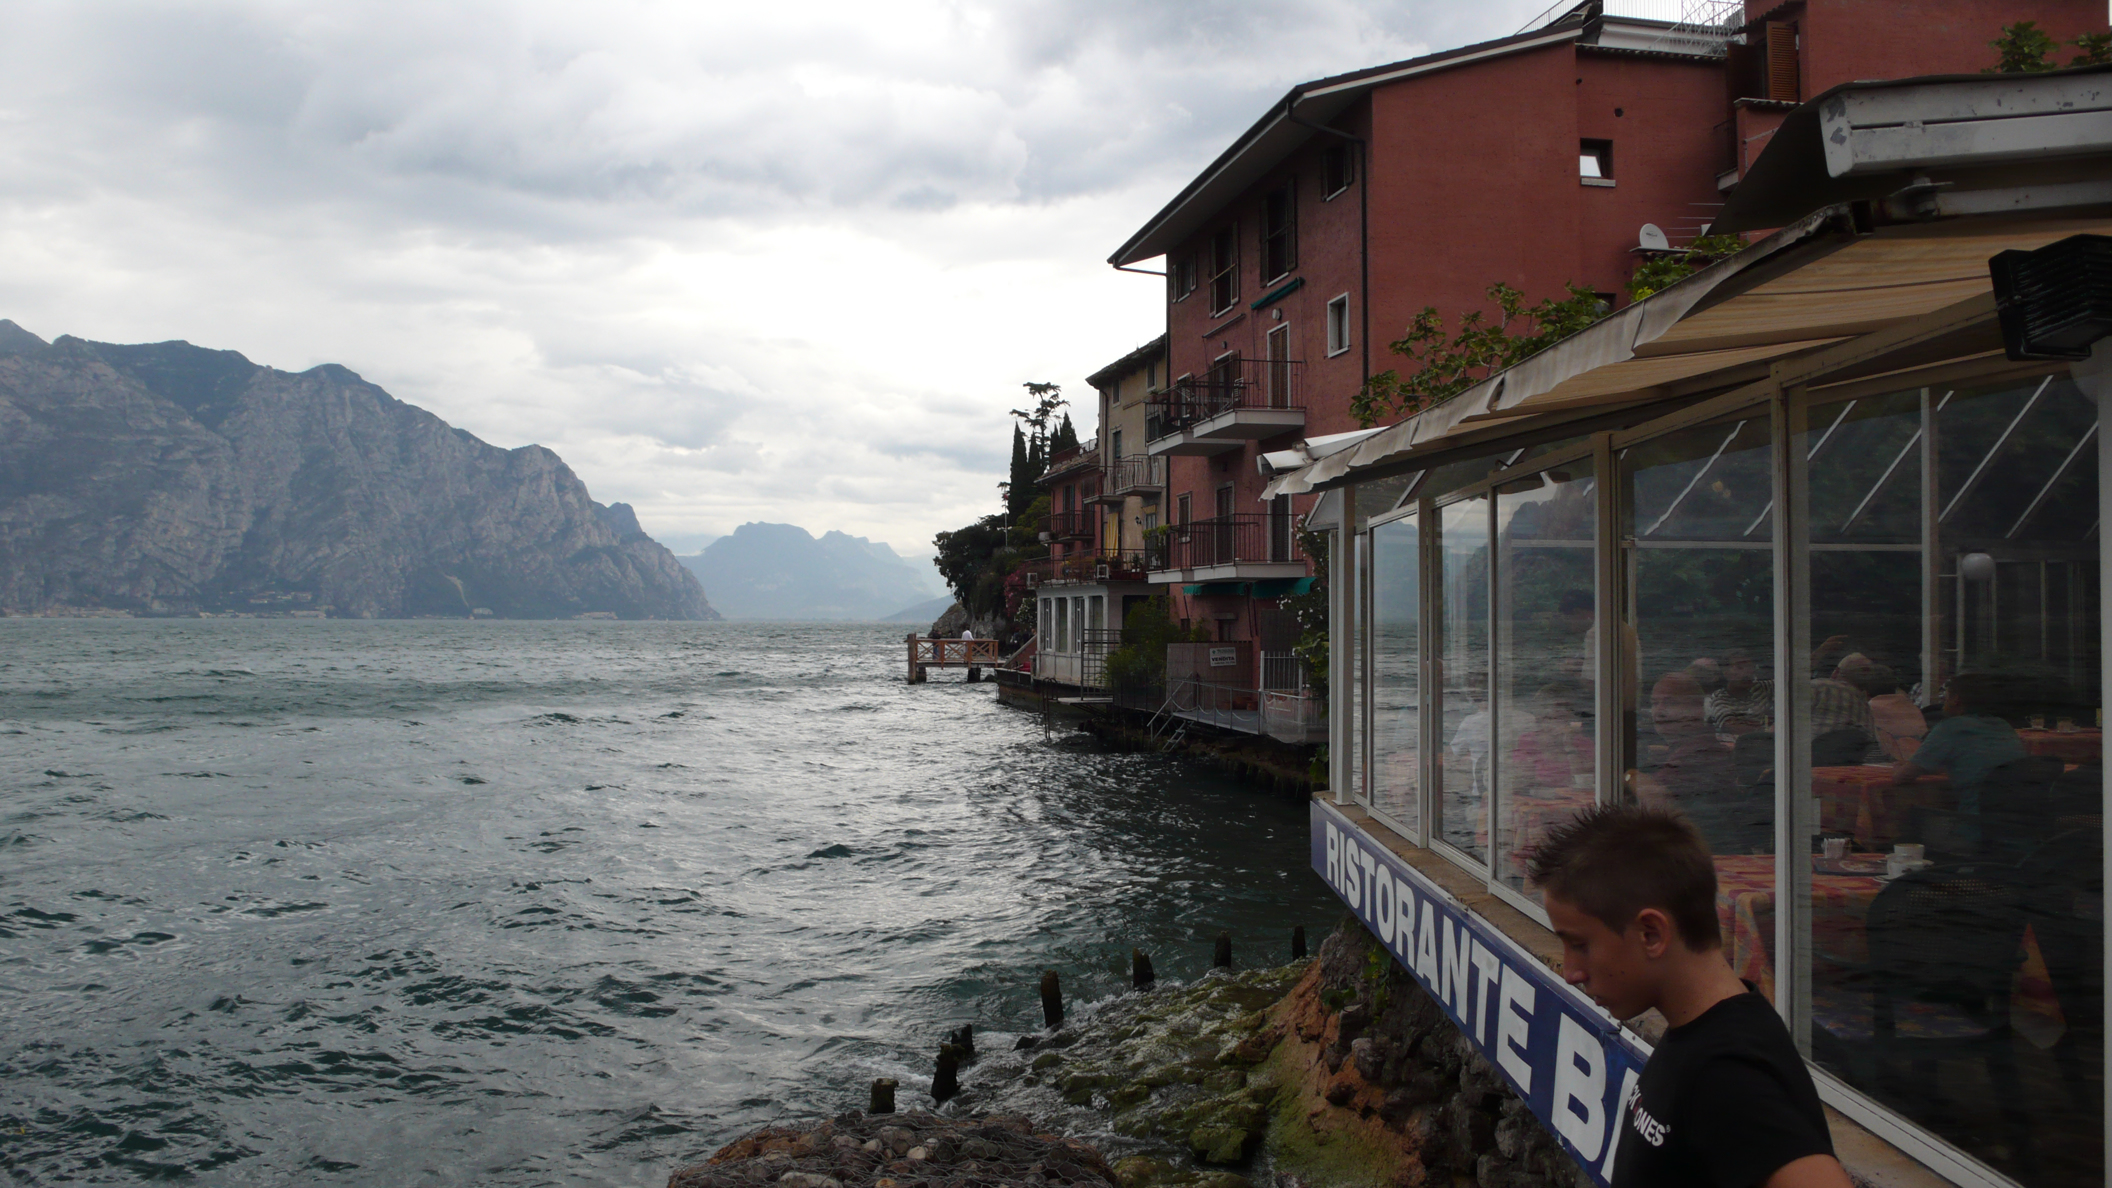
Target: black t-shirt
{"points": [[1725, 1102]]}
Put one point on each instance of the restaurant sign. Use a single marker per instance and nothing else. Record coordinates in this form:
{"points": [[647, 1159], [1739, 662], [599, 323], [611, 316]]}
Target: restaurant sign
{"points": [[1571, 1063]]}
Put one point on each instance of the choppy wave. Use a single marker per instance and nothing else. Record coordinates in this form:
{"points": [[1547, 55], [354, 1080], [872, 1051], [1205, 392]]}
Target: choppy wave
{"points": [[547, 903]]}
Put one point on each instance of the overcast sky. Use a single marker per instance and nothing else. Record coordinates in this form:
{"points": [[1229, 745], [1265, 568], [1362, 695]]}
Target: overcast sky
{"points": [[769, 261]]}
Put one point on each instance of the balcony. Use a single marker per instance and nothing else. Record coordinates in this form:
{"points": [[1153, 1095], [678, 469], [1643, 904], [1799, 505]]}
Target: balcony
{"points": [[1133, 475], [1235, 548], [1087, 568], [1238, 401], [1074, 525]]}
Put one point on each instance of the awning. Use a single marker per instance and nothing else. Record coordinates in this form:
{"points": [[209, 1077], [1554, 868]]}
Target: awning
{"points": [[1797, 291], [1282, 587], [1217, 589], [1264, 588]]}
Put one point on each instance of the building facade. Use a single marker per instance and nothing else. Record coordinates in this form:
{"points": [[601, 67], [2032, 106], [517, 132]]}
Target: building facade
{"points": [[1758, 549], [1556, 157]]}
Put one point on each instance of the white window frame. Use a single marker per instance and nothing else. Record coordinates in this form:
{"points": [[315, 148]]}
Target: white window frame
{"points": [[1338, 338]]}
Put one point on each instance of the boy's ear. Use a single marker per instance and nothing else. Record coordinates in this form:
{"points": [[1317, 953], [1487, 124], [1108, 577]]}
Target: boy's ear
{"points": [[1655, 930]]}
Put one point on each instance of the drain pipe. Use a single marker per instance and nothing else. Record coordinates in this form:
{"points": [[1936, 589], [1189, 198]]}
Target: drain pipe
{"points": [[1363, 183]]}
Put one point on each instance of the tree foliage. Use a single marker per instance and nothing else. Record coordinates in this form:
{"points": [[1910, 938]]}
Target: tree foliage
{"points": [[1310, 609], [965, 553], [1065, 437], [1446, 363], [2022, 49], [1661, 271], [1018, 486], [1146, 630]]}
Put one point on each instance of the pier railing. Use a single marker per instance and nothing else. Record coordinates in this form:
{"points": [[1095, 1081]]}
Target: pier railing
{"points": [[971, 654]]}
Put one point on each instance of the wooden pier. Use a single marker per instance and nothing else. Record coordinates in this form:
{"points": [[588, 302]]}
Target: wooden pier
{"points": [[971, 654]]}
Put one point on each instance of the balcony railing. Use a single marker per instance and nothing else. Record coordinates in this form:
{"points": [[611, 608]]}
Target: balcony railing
{"points": [[1139, 472], [1074, 525], [1112, 565], [1224, 540], [1232, 384]]}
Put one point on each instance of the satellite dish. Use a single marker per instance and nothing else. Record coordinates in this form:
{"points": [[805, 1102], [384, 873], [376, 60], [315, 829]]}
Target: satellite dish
{"points": [[1651, 239]]}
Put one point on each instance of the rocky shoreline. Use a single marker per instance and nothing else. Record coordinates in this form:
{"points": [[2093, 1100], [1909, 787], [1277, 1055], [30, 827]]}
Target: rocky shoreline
{"points": [[1339, 1071]]}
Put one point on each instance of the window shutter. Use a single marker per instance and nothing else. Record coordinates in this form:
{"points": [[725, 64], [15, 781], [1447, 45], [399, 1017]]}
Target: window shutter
{"points": [[1782, 82]]}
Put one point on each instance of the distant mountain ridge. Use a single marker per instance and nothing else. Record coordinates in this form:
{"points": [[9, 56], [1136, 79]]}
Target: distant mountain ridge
{"points": [[171, 478], [781, 571]]}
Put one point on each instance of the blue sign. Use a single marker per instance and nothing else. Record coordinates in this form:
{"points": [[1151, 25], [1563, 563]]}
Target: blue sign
{"points": [[1568, 1059]]}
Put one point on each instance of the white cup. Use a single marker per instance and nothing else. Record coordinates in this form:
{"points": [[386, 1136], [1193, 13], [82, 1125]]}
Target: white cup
{"points": [[1836, 848], [1911, 851]]}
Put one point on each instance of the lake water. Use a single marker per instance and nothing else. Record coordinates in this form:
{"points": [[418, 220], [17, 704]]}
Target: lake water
{"points": [[550, 903]]}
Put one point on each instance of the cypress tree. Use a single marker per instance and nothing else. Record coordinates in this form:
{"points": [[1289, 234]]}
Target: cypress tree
{"points": [[1019, 490], [1066, 437]]}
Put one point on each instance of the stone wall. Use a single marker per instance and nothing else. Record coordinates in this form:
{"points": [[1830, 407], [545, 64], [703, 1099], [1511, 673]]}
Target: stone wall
{"points": [[1385, 1067]]}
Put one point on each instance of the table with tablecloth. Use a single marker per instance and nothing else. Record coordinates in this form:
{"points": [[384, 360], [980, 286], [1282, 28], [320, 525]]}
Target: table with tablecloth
{"points": [[1863, 801], [2068, 746], [1745, 907], [1842, 891]]}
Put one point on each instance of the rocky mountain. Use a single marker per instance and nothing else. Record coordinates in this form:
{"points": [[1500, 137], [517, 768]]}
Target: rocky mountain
{"points": [[781, 571], [170, 478]]}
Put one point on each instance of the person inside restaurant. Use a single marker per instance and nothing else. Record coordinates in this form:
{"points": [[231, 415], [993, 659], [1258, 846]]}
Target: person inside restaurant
{"points": [[1969, 745]]}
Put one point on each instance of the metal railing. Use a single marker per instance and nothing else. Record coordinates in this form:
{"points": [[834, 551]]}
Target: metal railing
{"points": [[1232, 384], [1140, 472], [1074, 525], [1221, 540], [1105, 565], [1282, 672]]}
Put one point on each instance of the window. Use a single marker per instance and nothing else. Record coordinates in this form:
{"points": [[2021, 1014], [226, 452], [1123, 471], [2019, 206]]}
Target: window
{"points": [[1978, 660], [1595, 161], [1546, 671], [1180, 275], [1338, 325], [1151, 376], [1180, 510], [1224, 269], [1279, 234], [1114, 444], [1463, 701], [1337, 169], [1396, 673]]}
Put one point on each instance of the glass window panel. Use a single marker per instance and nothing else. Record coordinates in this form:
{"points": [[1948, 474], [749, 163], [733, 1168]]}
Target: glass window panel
{"points": [[1470, 743], [1359, 734], [1379, 496], [1545, 670], [1967, 991], [1396, 677], [1697, 643]]}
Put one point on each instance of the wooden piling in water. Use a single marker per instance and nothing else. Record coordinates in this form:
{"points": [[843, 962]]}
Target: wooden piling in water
{"points": [[1222, 959], [1141, 975], [964, 1039], [946, 1079], [1051, 1000], [883, 1096], [1297, 942]]}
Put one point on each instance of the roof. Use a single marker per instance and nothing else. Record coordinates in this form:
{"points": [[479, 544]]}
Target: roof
{"points": [[1070, 462], [1130, 362], [1288, 124]]}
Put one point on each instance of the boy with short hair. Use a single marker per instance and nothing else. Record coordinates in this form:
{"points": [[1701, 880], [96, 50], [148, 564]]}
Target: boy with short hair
{"points": [[1725, 1100]]}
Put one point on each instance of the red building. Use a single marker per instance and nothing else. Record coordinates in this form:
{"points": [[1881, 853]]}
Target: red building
{"points": [[1535, 160]]}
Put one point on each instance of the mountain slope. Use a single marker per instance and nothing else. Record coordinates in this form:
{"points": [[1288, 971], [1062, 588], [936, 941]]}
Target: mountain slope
{"points": [[780, 571], [170, 477]]}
